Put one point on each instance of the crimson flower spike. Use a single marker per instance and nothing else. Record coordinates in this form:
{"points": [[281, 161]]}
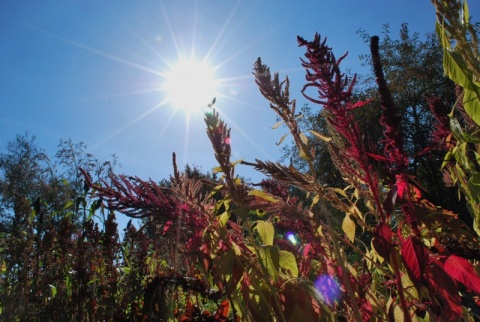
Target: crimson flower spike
{"points": [[390, 119], [335, 93], [392, 138]]}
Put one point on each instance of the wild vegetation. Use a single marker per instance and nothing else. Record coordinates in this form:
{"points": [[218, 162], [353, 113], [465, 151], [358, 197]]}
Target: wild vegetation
{"points": [[371, 241]]}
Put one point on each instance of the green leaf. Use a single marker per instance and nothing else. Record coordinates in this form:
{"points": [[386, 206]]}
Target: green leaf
{"points": [[68, 204], [223, 218], [340, 192], [277, 125], [288, 262], [215, 190], [320, 136], [456, 129], [466, 13], [263, 195], [241, 212], [474, 186], [217, 169], [270, 257], [236, 162], [53, 289], [315, 200], [348, 227], [456, 69], [442, 35], [266, 231], [282, 138], [471, 102]]}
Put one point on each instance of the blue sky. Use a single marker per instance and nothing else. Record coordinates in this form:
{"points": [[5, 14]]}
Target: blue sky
{"points": [[92, 70]]}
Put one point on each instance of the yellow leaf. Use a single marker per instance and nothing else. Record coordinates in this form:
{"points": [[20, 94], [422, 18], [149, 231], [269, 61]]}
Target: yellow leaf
{"points": [[320, 136], [348, 226], [277, 125], [282, 138], [304, 139], [263, 195], [217, 169], [266, 231]]}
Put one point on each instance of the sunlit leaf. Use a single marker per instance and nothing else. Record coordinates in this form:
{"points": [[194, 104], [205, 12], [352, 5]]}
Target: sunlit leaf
{"points": [[53, 289], [270, 258], [442, 36], [223, 218], [277, 125], [236, 162], [320, 136], [415, 259], [466, 13], [340, 192], [348, 227], [474, 186], [304, 139], [69, 204], [263, 195], [462, 271], [447, 303], [265, 231], [456, 129], [305, 155], [471, 102], [217, 169], [215, 190], [282, 138], [288, 262], [456, 69]]}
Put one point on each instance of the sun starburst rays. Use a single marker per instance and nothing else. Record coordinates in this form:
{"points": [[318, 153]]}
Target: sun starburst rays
{"points": [[186, 75]]}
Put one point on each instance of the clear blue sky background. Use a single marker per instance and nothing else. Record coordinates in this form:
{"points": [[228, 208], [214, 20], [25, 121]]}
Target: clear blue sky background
{"points": [[90, 70]]}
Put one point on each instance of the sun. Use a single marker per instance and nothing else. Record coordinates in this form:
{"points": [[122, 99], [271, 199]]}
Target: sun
{"points": [[190, 85]]}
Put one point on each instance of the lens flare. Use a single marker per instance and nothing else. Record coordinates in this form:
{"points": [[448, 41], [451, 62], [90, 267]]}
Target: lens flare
{"points": [[291, 237], [328, 289]]}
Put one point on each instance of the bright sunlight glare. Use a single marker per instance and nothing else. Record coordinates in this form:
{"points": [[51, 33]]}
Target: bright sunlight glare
{"points": [[190, 85]]}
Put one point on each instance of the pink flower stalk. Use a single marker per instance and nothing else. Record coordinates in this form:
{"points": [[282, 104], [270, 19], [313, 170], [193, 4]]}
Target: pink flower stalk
{"points": [[335, 94]]}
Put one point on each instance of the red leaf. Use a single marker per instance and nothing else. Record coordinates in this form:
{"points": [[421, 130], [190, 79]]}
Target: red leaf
{"points": [[389, 201], [446, 302], [378, 157], [222, 312], [415, 259], [462, 271], [305, 264], [360, 104], [401, 186], [382, 240], [166, 227], [365, 308]]}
